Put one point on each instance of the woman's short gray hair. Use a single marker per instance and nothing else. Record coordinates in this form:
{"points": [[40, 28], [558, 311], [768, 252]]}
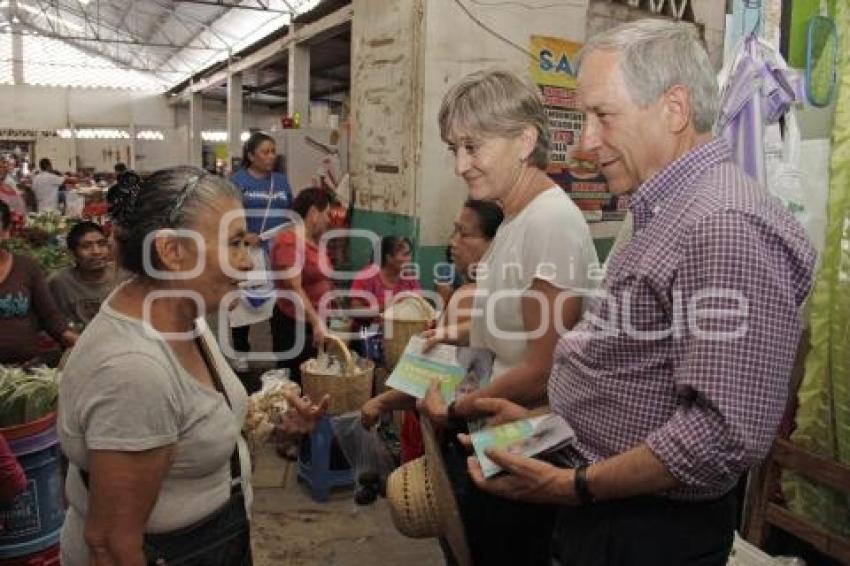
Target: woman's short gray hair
{"points": [[657, 54], [496, 103]]}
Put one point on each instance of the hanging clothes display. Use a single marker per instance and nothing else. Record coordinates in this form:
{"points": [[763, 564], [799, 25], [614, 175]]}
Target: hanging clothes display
{"points": [[757, 89], [823, 414]]}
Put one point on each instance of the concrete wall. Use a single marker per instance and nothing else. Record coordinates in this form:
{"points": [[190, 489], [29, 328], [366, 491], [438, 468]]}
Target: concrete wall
{"points": [[38, 107], [50, 108], [405, 56], [215, 115], [456, 46]]}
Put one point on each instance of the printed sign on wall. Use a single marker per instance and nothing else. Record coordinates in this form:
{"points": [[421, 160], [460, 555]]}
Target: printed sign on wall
{"points": [[576, 171], [556, 60], [554, 74]]}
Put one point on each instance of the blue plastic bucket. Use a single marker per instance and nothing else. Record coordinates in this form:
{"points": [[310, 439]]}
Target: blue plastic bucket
{"points": [[33, 520]]}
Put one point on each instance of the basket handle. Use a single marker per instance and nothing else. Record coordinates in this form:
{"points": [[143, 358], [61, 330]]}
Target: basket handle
{"points": [[342, 347], [409, 295]]}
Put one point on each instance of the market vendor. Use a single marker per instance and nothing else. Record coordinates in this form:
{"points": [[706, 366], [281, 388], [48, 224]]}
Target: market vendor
{"points": [[45, 186], [676, 380], [300, 326], [381, 282], [8, 171], [150, 414], [80, 290], [9, 193], [26, 307], [265, 195]]}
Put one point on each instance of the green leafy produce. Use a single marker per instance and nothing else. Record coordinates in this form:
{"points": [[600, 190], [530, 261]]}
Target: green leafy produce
{"points": [[26, 396], [50, 258], [50, 222]]}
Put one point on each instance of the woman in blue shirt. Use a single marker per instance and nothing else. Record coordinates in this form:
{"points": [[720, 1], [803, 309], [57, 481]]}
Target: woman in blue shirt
{"points": [[265, 192], [265, 195]]}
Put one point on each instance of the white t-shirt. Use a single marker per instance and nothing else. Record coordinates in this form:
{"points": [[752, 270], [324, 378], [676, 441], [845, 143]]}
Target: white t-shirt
{"points": [[123, 389], [45, 186], [548, 240]]}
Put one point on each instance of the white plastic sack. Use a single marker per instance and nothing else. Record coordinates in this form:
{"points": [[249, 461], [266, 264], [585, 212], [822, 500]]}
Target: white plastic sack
{"points": [[802, 188], [245, 313], [362, 448], [745, 554]]}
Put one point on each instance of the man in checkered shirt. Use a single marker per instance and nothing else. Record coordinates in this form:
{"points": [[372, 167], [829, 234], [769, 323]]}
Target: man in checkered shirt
{"points": [[676, 378]]}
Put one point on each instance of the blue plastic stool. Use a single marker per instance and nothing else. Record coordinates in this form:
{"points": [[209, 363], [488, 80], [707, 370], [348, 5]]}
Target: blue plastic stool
{"points": [[314, 463]]}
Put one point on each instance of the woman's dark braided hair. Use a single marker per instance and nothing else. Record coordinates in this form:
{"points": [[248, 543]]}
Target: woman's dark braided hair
{"points": [[168, 198], [122, 196]]}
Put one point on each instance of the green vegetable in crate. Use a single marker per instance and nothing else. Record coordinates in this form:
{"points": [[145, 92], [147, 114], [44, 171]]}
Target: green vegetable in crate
{"points": [[27, 396], [50, 258], [51, 222]]}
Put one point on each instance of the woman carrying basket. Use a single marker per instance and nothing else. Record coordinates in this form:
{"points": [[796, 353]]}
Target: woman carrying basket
{"points": [[300, 327]]}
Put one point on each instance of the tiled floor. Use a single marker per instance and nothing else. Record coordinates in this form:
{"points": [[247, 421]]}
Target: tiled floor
{"points": [[290, 529]]}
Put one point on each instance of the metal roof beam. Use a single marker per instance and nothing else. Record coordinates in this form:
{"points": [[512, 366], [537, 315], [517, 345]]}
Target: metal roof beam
{"points": [[94, 52], [84, 38], [175, 55], [304, 34], [234, 6], [123, 18], [206, 25], [53, 33]]}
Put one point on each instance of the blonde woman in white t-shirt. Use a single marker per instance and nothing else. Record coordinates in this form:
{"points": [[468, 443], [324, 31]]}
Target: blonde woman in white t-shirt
{"points": [[529, 287]]}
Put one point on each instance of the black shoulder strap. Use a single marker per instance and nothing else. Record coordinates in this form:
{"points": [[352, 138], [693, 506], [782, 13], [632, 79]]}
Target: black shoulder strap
{"points": [[235, 466]]}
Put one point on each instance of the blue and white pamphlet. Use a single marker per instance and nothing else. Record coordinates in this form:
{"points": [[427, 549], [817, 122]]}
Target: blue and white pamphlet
{"points": [[458, 370], [527, 437]]}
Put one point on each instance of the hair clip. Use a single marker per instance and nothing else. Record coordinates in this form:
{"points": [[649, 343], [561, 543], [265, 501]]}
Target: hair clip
{"points": [[182, 196]]}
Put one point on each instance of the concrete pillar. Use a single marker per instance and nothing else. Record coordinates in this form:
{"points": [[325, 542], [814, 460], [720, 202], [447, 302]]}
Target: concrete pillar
{"points": [[75, 155], [132, 161], [234, 118], [196, 114], [298, 93], [17, 46]]}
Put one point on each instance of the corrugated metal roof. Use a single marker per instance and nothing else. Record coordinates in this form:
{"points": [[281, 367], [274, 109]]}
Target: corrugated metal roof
{"points": [[157, 42], [52, 62]]}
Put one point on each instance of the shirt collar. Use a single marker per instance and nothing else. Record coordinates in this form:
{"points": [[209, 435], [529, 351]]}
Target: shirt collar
{"points": [[650, 197]]}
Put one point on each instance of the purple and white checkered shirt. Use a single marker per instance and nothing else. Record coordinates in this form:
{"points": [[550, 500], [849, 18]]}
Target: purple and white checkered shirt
{"points": [[689, 346]]}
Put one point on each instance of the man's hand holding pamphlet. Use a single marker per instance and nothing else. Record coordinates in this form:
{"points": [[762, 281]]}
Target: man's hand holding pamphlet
{"points": [[526, 437]]}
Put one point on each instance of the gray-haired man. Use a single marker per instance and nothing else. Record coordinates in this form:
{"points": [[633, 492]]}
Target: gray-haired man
{"points": [[675, 380]]}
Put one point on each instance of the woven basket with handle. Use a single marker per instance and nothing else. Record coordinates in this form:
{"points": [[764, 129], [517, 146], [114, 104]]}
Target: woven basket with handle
{"points": [[349, 390], [398, 331]]}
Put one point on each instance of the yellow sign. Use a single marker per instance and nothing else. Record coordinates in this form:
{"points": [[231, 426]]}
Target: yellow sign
{"points": [[556, 61]]}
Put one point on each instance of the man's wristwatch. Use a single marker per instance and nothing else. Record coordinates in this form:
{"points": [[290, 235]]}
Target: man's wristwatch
{"points": [[581, 487]]}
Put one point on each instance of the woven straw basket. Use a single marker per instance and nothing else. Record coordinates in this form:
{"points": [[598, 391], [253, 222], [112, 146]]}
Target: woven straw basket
{"points": [[398, 331], [349, 390]]}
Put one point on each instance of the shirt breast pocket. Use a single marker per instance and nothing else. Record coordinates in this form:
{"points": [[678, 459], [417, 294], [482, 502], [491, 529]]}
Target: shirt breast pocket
{"points": [[642, 305]]}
